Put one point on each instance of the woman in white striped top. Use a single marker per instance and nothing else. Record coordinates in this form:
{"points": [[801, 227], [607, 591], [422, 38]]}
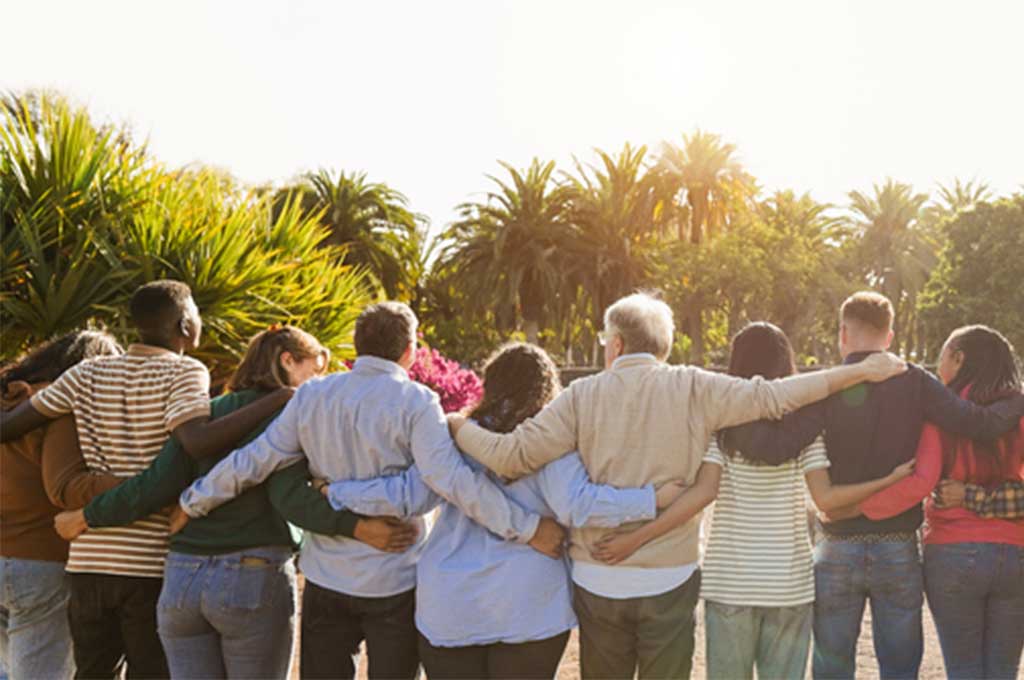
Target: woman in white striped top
{"points": [[757, 577]]}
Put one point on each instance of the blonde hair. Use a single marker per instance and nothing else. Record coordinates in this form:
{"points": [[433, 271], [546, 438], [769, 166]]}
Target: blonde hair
{"points": [[261, 366]]}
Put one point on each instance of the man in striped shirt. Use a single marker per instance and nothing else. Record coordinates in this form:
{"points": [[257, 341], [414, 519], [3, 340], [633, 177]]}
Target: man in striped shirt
{"points": [[125, 406]]}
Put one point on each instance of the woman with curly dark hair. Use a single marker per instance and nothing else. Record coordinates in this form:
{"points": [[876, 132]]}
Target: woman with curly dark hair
{"points": [[487, 607]]}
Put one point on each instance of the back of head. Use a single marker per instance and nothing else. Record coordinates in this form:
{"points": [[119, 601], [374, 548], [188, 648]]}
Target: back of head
{"points": [[261, 367], [867, 317], [385, 330], [158, 308], [47, 362], [519, 379], [990, 368], [644, 322], [763, 349]]}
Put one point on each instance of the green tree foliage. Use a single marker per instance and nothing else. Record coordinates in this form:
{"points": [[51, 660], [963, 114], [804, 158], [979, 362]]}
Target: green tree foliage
{"points": [[371, 220], [87, 216], [978, 278]]}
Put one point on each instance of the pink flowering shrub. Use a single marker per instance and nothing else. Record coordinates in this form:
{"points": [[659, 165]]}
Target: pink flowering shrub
{"points": [[456, 386]]}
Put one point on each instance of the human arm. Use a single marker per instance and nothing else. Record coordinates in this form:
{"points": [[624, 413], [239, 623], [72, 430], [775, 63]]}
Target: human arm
{"points": [[578, 502], [616, 547], [68, 482], [1005, 501], [829, 497], [250, 465], [728, 400], [203, 436], [965, 418], [907, 493], [399, 495], [473, 491], [51, 402], [535, 442], [305, 507], [19, 421], [773, 442]]}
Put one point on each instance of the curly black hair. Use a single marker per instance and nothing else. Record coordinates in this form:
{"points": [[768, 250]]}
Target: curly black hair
{"points": [[519, 379], [47, 362]]}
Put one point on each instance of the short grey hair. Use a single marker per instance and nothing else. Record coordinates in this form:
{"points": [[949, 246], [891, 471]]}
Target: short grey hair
{"points": [[644, 323]]}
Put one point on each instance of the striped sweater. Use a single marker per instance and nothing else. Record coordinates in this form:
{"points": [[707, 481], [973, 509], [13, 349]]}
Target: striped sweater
{"points": [[125, 407]]}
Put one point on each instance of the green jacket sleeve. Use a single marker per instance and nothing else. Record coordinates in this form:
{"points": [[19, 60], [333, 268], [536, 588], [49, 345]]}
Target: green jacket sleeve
{"points": [[157, 486], [298, 503]]}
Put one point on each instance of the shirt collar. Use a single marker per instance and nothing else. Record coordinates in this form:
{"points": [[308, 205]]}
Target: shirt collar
{"points": [[857, 357], [635, 359], [372, 364], [141, 350]]}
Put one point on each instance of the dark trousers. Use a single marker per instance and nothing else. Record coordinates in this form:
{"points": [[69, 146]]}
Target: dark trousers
{"points": [[333, 625], [113, 621], [651, 634], [534, 660]]}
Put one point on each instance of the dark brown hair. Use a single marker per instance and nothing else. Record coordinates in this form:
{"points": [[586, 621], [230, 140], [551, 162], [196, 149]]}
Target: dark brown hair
{"points": [[385, 330], [261, 367], [761, 348], [519, 379], [990, 371], [868, 308], [47, 362]]}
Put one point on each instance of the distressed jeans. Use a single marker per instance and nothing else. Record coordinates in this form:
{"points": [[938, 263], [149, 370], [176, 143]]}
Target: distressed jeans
{"points": [[888, 575], [229, 615], [976, 594], [35, 640]]}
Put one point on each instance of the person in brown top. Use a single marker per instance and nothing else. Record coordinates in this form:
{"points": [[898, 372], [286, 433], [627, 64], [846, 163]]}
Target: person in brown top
{"points": [[43, 472]]}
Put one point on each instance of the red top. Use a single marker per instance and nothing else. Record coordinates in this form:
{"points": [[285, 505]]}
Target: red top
{"points": [[964, 462]]}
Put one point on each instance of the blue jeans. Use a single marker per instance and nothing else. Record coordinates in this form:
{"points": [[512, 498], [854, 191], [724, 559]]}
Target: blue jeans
{"points": [[976, 594], [229, 615], [846, 575], [774, 639], [35, 641]]}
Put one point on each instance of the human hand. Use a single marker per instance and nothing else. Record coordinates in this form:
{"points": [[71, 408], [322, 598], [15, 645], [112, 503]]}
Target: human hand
{"points": [[386, 534], [901, 471], [284, 394], [321, 485], [549, 538], [882, 366], [668, 493], [836, 514], [951, 493], [71, 524], [177, 520], [455, 423], [613, 547]]}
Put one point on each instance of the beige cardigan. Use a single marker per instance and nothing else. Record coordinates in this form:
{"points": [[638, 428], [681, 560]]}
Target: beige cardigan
{"points": [[640, 422]]}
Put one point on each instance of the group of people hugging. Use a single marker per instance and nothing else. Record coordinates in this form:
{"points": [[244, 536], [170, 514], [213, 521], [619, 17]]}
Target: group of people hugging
{"points": [[149, 529]]}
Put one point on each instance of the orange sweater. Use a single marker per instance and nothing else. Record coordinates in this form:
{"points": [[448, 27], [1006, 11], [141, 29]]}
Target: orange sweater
{"points": [[41, 474]]}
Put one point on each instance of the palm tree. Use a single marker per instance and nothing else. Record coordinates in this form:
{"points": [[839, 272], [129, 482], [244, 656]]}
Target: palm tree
{"points": [[510, 250], [619, 210], [370, 219], [707, 171], [895, 253], [963, 195]]}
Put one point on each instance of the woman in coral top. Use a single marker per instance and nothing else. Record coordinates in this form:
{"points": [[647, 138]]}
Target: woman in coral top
{"points": [[974, 566]]}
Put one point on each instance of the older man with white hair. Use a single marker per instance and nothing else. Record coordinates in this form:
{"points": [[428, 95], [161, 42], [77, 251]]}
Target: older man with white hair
{"points": [[642, 421]]}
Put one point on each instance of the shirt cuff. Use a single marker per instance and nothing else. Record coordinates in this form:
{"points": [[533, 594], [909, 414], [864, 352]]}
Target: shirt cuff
{"points": [[191, 414], [36, 400], [526, 535], [974, 498]]}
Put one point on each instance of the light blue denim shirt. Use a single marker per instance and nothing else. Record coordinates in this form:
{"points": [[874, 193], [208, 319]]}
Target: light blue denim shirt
{"points": [[472, 587], [368, 422]]}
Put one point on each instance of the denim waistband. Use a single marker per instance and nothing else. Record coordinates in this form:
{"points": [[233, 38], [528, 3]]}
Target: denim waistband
{"points": [[272, 553]]}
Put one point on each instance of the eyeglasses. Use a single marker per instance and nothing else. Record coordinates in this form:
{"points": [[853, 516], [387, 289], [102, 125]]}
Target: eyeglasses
{"points": [[604, 337]]}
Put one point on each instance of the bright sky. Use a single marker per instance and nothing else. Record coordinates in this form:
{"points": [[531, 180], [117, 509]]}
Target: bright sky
{"points": [[824, 96]]}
